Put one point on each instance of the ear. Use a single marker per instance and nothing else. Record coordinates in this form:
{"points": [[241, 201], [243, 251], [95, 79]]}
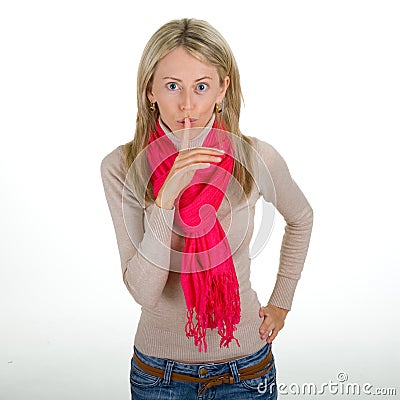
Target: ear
{"points": [[150, 96], [223, 89]]}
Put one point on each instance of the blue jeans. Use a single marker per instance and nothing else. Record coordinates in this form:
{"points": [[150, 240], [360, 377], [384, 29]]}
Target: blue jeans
{"points": [[148, 387]]}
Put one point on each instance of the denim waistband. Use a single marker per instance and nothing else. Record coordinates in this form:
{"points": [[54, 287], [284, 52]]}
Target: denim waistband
{"points": [[205, 369]]}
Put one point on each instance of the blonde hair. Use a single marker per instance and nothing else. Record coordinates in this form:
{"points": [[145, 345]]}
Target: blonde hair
{"points": [[205, 43]]}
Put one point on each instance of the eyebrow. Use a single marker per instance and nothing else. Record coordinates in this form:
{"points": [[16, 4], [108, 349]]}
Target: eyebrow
{"points": [[179, 80]]}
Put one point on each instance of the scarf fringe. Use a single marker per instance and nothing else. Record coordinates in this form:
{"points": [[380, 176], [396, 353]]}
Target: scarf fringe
{"points": [[219, 308]]}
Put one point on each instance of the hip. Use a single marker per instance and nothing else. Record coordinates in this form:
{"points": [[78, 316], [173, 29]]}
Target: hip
{"points": [[203, 379]]}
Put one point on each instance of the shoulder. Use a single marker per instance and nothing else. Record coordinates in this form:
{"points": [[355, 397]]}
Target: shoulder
{"points": [[266, 153], [113, 157], [113, 161]]}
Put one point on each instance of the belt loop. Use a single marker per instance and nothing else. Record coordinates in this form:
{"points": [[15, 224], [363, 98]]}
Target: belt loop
{"points": [[168, 372], [234, 370]]}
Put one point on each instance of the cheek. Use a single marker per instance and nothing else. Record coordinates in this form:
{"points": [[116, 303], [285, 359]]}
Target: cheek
{"points": [[207, 101], [209, 106], [168, 108], [165, 102]]}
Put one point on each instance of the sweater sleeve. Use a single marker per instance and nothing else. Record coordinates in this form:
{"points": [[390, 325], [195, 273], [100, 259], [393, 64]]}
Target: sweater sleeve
{"points": [[144, 253], [278, 187]]}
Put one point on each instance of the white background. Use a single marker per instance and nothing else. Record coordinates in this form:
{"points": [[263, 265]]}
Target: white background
{"points": [[321, 84]]}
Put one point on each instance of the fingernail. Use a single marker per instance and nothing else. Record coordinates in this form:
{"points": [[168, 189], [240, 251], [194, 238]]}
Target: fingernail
{"points": [[220, 150]]}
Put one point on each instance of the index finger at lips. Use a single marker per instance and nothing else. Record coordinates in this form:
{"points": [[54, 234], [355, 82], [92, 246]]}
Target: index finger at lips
{"points": [[186, 133]]}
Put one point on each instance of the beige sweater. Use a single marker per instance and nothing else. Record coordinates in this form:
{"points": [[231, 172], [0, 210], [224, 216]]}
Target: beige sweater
{"points": [[150, 251]]}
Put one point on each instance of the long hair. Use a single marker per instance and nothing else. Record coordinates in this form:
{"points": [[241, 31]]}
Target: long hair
{"points": [[205, 43]]}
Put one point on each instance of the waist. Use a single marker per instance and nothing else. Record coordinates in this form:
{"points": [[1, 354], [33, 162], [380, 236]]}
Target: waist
{"points": [[213, 362], [153, 337], [205, 369]]}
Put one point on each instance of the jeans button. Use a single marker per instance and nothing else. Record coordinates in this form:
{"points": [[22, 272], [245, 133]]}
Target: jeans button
{"points": [[203, 371]]}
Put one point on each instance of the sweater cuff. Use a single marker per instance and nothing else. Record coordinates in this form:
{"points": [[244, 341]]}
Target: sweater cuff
{"points": [[283, 293]]}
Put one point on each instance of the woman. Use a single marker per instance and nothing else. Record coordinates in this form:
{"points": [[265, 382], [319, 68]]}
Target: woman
{"points": [[182, 198]]}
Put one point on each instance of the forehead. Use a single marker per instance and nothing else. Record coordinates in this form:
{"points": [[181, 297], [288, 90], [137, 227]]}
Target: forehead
{"points": [[180, 64]]}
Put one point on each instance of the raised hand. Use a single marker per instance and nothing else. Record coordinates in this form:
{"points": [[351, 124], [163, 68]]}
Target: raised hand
{"points": [[187, 162]]}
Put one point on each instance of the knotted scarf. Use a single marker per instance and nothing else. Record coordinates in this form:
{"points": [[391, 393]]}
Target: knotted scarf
{"points": [[208, 275]]}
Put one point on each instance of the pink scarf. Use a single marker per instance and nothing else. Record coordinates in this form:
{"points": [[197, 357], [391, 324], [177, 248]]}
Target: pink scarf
{"points": [[208, 275]]}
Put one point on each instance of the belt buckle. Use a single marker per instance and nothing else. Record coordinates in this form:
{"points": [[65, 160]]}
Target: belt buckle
{"points": [[219, 380]]}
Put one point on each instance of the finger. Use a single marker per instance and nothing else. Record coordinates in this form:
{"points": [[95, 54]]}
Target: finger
{"points": [[266, 327], [186, 133], [206, 149], [263, 312], [273, 336], [198, 166], [189, 168], [265, 335], [187, 123], [203, 153], [188, 159]]}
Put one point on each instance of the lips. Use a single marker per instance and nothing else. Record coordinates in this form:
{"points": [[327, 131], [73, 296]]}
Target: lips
{"points": [[182, 121]]}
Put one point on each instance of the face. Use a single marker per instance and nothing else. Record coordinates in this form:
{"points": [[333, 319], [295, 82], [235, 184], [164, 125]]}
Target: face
{"points": [[184, 87]]}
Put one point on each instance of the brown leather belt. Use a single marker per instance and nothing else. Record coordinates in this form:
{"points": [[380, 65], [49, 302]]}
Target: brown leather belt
{"points": [[255, 371]]}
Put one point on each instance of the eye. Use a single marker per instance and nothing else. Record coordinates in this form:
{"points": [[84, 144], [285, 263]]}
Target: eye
{"points": [[172, 86], [202, 87]]}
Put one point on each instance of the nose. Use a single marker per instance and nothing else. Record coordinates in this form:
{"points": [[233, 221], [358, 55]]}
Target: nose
{"points": [[187, 101]]}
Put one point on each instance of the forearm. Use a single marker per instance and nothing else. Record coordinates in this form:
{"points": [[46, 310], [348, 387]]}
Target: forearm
{"points": [[143, 243], [278, 187], [293, 253], [146, 272]]}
